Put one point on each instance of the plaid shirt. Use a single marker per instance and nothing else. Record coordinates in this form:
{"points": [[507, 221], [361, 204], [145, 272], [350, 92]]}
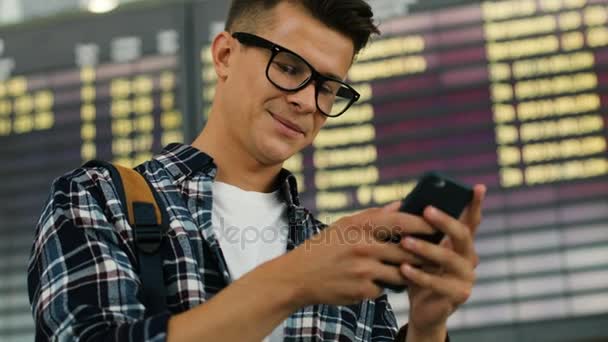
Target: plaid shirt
{"points": [[83, 272]]}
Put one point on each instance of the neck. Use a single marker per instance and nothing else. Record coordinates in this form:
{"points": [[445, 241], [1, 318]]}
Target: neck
{"points": [[235, 165]]}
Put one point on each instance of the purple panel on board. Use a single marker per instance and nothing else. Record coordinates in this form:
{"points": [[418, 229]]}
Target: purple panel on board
{"points": [[601, 56], [577, 191], [489, 179], [425, 22], [461, 56], [459, 15], [493, 222], [602, 77], [67, 116], [109, 71], [415, 168], [404, 85], [450, 121], [531, 196], [465, 76], [102, 91], [433, 61], [604, 99], [426, 145], [494, 200], [37, 82], [67, 97], [153, 64], [65, 78], [533, 218], [408, 24], [588, 211], [472, 161], [469, 34], [468, 96], [406, 106], [454, 38]]}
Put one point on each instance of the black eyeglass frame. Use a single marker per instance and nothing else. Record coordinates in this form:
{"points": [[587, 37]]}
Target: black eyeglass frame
{"points": [[254, 40]]}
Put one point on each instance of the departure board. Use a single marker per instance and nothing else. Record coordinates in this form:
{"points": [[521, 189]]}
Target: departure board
{"points": [[105, 87], [511, 94]]}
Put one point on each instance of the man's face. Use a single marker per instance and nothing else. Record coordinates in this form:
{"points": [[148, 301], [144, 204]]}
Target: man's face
{"points": [[270, 124]]}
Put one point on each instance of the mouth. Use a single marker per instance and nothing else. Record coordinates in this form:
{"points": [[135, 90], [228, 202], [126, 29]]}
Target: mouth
{"points": [[292, 126]]}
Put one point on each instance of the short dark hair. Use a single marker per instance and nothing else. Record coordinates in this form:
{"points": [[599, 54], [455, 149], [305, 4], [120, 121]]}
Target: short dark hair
{"points": [[353, 18]]}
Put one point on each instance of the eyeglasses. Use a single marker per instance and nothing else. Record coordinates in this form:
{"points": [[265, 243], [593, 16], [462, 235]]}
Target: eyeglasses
{"points": [[288, 71]]}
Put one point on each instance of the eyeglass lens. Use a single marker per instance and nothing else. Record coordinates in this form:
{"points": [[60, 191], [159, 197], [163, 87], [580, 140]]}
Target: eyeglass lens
{"points": [[290, 72]]}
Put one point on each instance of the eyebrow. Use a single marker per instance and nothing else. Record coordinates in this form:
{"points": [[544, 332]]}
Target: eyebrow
{"points": [[326, 74], [333, 76]]}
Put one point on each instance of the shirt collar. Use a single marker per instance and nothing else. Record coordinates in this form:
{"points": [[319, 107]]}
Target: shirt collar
{"points": [[288, 187], [183, 161]]}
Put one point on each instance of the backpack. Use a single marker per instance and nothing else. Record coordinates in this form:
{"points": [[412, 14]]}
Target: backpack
{"points": [[148, 217]]}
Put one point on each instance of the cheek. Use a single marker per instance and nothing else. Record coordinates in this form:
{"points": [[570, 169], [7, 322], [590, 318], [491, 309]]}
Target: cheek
{"points": [[320, 121]]}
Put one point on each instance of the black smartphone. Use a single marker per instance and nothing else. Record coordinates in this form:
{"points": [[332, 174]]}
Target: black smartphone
{"points": [[441, 192]]}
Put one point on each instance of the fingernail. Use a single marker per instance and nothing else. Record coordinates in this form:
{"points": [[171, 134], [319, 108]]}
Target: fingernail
{"points": [[432, 211], [410, 243], [406, 268]]}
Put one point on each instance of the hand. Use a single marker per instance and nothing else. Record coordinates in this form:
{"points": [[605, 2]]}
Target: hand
{"points": [[344, 263], [446, 280]]}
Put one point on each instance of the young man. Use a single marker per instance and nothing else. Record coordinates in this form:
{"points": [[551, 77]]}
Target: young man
{"points": [[280, 66]]}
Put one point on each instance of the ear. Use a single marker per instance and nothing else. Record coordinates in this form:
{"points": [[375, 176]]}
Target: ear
{"points": [[221, 50]]}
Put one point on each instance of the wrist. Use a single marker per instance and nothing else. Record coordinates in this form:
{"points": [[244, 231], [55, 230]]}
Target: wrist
{"points": [[436, 334], [284, 285]]}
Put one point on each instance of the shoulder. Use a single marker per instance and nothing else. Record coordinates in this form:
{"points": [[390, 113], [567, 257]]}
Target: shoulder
{"points": [[80, 182], [83, 203], [84, 192]]}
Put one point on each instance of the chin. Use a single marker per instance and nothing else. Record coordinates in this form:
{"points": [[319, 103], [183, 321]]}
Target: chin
{"points": [[277, 152]]}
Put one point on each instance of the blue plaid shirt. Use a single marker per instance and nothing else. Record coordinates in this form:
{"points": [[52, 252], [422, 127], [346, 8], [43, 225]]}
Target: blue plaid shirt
{"points": [[83, 272]]}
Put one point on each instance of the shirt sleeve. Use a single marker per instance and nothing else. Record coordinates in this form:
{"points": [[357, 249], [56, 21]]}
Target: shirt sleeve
{"points": [[385, 323], [386, 327], [82, 281]]}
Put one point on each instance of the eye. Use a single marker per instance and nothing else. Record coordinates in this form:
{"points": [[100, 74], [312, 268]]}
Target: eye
{"points": [[286, 68], [328, 88]]}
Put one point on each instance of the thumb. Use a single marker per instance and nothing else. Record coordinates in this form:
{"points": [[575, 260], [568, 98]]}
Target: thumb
{"points": [[393, 206]]}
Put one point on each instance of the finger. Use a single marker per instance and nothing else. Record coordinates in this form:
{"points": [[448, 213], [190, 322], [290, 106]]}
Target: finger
{"points": [[368, 272], [393, 253], [457, 290], [393, 206], [389, 274], [472, 215], [446, 243], [442, 257], [360, 290], [459, 235], [398, 223]]}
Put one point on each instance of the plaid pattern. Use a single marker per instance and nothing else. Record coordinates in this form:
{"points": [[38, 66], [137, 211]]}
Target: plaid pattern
{"points": [[83, 270]]}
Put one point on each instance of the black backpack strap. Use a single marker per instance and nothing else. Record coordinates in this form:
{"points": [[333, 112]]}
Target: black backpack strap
{"points": [[147, 216]]}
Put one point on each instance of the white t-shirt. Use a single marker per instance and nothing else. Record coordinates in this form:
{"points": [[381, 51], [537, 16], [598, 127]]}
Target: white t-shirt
{"points": [[251, 228]]}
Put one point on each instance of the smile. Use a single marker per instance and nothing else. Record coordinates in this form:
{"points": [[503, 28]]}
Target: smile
{"points": [[287, 128]]}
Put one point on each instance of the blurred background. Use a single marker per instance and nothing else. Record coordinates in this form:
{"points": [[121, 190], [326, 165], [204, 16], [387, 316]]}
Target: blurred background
{"points": [[512, 94]]}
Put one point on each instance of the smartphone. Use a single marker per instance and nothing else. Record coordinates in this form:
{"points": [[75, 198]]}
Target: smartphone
{"points": [[441, 192]]}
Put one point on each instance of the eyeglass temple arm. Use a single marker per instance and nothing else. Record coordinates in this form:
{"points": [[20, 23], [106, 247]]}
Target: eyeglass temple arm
{"points": [[344, 92]]}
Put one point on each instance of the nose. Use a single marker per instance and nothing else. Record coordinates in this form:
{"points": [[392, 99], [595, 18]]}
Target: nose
{"points": [[304, 100]]}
